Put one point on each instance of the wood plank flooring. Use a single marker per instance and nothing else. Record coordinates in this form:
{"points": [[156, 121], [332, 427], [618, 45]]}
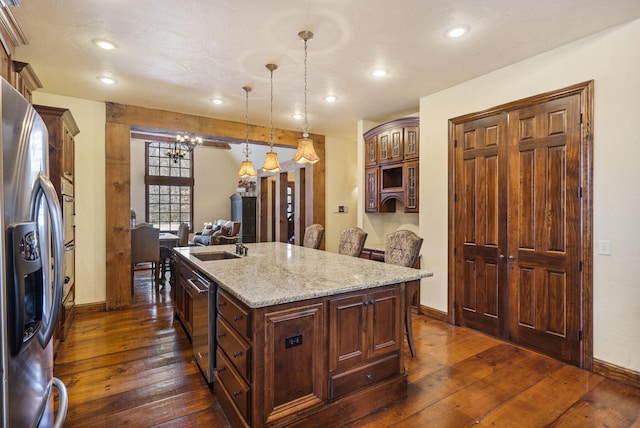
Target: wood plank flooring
{"points": [[134, 367]]}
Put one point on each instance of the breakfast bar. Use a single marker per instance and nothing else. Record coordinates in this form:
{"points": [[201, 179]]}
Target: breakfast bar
{"points": [[300, 337]]}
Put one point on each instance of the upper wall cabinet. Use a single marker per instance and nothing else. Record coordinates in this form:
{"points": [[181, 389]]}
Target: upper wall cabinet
{"points": [[391, 162]]}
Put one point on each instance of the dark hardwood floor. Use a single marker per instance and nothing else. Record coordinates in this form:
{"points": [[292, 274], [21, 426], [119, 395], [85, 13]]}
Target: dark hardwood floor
{"points": [[134, 367]]}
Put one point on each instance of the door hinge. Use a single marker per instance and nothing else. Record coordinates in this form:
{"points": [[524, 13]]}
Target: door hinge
{"points": [[580, 335], [580, 118], [455, 197], [455, 251], [455, 143], [580, 192], [580, 266]]}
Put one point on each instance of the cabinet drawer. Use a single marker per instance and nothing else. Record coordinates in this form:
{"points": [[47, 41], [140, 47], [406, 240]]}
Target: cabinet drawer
{"points": [[234, 314], [352, 380], [234, 386], [236, 349]]}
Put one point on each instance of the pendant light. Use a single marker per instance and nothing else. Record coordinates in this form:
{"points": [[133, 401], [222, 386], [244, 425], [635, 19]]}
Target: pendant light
{"points": [[305, 153], [271, 163], [246, 169]]}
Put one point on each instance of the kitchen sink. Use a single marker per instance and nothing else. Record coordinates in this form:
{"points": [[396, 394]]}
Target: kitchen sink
{"points": [[219, 255]]}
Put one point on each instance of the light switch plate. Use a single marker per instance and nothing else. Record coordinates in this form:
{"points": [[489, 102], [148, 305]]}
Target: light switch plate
{"points": [[604, 247]]}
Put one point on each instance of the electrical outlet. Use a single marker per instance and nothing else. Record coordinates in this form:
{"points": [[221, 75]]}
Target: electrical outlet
{"points": [[291, 341], [342, 209], [604, 247]]}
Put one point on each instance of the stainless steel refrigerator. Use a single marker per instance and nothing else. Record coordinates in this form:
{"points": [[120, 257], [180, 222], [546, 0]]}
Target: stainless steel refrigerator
{"points": [[32, 273]]}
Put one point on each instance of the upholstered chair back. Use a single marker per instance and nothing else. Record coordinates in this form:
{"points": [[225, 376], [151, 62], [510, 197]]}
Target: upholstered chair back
{"points": [[313, 236], [402, 248], [352, 241]]}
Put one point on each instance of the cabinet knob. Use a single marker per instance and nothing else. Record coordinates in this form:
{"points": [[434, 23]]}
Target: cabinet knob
{"points": [[501, 257], [372, 302], [236, 393], [369, 377], [237, 354], [237, 318], [221, 335], [221, 304]]}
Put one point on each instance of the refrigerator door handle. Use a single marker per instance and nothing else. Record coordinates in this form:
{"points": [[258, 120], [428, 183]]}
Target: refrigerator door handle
{"points": [[63, 403], [44, 188]]}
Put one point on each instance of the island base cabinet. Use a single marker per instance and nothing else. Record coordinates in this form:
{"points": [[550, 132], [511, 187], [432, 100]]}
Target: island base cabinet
{"points": [[274, 364]]}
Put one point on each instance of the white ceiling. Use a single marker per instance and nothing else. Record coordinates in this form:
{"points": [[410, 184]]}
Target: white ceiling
{"points": [[177, 54]]}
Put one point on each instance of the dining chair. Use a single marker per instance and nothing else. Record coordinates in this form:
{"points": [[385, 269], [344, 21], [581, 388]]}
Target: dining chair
{"points": [[183, 235], [145, 248], [403, 248], [313, 236], [352, 241]]}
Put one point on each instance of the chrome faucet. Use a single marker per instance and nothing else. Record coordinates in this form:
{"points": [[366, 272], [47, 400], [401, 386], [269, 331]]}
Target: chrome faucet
{"points": [[241, 249]]}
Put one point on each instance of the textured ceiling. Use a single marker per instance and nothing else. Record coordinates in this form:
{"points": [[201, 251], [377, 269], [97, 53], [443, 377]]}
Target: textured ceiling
{"points": [[177, 54]]}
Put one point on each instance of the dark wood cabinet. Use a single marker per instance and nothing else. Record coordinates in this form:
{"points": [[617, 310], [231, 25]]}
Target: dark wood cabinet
{"points": [[299, 362], [184, 296], [391, 166], [243, 209], [365, 326], [25, 79], [371, 194], [62, 130]]}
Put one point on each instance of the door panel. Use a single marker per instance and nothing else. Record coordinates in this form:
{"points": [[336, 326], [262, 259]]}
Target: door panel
{"points": [[543, 227], [481, 224], [517, 225]]}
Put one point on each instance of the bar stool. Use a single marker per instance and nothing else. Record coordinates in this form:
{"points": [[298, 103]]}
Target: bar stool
{"points": [[313, 236], [403, 248], [352, 241]]}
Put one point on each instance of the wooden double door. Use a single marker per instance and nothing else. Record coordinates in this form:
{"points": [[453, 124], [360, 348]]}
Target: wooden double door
{"points": [[519, 223]]}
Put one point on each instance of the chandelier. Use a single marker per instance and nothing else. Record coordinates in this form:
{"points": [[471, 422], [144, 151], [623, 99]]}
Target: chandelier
{"points": [[184, 144], [305, 153], [271, 163], [246, 169]]}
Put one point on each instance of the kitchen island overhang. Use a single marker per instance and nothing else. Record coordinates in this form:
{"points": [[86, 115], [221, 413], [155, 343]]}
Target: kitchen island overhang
{"points": [[304, 336]]}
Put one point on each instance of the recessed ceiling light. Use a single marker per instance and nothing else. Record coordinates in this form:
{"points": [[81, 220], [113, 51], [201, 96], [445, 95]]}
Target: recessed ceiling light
{"points": [[107, 80], [379, 72], [330, 98], [104, 44], [457, 31], [217, 101], [297, 116]]}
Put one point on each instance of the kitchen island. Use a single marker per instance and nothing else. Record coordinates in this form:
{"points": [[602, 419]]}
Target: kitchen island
{"points": [[302, 337]]}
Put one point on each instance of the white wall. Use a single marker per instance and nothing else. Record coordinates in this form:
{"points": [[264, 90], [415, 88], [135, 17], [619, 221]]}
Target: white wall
{"points": [[611, 59], [89, 187]]}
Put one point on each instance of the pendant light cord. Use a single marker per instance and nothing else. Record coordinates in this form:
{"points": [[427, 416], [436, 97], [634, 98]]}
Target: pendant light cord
{"points": [[305, 130], [271, 112], [246, 120]]}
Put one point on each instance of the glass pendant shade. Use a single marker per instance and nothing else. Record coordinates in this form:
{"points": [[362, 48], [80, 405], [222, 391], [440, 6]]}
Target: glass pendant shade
{"points": [[246, 169], [271, 163], [306, 153]]}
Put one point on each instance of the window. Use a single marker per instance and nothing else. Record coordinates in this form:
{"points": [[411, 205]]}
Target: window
{"points": [[169, 187]]}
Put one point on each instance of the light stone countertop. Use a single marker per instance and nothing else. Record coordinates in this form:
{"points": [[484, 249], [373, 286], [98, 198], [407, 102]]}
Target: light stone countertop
{"points": [[275, 272]]}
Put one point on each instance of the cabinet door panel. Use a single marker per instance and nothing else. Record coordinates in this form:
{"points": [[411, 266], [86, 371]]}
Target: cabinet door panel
{"points": [[294, 360], [385, 322], [347, 331]]}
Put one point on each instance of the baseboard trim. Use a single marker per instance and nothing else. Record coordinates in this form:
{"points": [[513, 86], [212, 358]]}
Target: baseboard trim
{"points": [[433, 313], [612, 371], [91, 307]]}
